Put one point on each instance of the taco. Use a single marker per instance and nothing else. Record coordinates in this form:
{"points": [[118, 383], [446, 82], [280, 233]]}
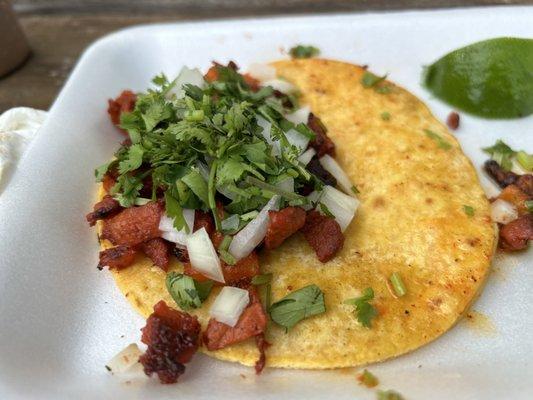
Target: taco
{"points": [[335, 290]]}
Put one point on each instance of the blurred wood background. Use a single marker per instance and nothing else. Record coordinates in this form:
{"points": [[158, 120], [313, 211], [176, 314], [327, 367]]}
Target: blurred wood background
{"points": [[59, 30]]}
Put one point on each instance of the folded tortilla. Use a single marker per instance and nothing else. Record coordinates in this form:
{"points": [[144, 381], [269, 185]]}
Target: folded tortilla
{"points": [[411, 220]]}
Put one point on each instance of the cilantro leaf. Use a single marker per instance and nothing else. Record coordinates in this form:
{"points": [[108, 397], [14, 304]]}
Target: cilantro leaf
{"points": [[364, 311], [369, 80], [298, 305], [368, 379], [186, 292], [302, 51], [469, 210], [133, 160], [197, 184], [102, 170], [502, 154], [174, 210], [127, 189]]}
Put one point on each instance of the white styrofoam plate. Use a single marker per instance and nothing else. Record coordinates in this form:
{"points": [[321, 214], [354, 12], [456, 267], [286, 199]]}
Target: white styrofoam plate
{"points": [[61, 319]]}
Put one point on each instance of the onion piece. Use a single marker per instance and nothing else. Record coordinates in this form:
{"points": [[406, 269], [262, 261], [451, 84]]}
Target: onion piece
{"points": [[300, 116], [286, 184], [342, 206], [263, 72], [267, 126], [281, 85], [203, 256], [252, 234], [503, 212], [125, 359], [307, 155], [295, 138], [186, 76], [335, 169], [168, 232], [229, 305]]}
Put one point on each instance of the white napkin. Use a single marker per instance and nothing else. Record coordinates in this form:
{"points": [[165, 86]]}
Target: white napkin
{"points": [[18, 127]]}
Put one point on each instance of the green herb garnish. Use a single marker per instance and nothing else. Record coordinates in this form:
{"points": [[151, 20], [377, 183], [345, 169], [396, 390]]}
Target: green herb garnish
{"points": [[529, 205], [525, 160], [385, 116], [389, 395], [469, 210], [369, 80], [298, 305], [442, 143], [301, 51], [397, 284], [364, 311], [368, 379], [208, 143], [186, 292], [502, 154], [262, 279]]}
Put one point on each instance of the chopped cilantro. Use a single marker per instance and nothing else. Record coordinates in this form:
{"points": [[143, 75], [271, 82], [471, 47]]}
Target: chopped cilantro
{"points": [[469, 210], [383, 89], [529, 205], [525, 160], [502, 154], [385, 116], [261, 279], [325, 210], [355, 190], [301, 51], [298, 305], [364, 311], [368, 379], [369, 80], [186, 292], [442, 143], [101, 171], [397, 284], [389, 395]]}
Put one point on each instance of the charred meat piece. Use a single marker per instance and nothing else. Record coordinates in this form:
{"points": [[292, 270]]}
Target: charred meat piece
{"points": [[105, 208], [515, 235], [252, 322], [503, 178], [525, 183], [117, 257], [123, 103], [318, 170], [172, 337], [321, 143], [204, 220], [283, 224], [157, 250], [323, 234], [134, 225], [243, 271]]}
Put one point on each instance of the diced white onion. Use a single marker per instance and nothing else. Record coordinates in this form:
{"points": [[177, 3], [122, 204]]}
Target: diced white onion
{"points": [[263, 72], [281, 85], [300, 116], [295, 138], [312, 198], [229, 305], [252, 234], [125, 359], [335, 169], [307, 155], [286, 185], [203, 256], [503, 212], [267, 126], [342, 206], [186, 76], [168, 232]]}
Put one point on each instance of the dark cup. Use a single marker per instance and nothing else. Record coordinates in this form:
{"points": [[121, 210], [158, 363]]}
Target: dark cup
{"points": [[14, 47]]}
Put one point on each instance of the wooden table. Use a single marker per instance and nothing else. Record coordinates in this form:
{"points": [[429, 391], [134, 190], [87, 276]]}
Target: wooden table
{"points": [[59, 30]]}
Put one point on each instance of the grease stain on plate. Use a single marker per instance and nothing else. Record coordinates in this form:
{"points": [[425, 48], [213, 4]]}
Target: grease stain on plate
{"points": [[480, 323]]}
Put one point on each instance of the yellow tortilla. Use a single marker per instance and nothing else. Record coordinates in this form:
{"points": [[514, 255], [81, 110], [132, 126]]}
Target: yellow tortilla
{"points": [[411, 220]]}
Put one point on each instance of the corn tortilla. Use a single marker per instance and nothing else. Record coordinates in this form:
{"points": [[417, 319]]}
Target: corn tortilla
{"points": [[411, 221]]}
